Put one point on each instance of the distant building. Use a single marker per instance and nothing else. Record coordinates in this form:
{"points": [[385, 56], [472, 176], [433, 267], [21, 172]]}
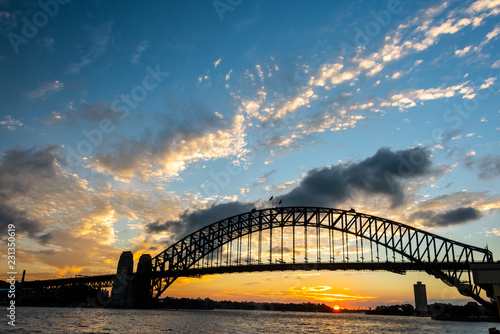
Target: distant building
{"points": [[421, 307]]}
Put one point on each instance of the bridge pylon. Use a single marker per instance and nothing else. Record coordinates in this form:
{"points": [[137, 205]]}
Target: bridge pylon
{"points": [[122, 291], [142, 282], [487, 276]]}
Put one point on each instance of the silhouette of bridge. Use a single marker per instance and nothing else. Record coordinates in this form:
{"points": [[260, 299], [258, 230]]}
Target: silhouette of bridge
{"points": [[299, 238]]}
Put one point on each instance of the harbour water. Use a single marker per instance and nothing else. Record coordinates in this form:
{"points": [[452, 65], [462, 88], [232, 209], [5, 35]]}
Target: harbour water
{"points": [[95, 320]]}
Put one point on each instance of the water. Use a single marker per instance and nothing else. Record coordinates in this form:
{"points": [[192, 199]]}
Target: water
{"points": [[93, 320]]}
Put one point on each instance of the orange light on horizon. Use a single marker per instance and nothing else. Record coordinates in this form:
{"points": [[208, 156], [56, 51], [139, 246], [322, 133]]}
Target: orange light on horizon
{"points": [[336, 308]]}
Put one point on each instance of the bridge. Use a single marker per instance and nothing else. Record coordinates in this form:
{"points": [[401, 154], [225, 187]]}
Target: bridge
{"points": [[302, 238]]}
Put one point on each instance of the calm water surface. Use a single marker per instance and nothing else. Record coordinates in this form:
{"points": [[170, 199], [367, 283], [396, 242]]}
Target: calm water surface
{"points": [[71, 320]]}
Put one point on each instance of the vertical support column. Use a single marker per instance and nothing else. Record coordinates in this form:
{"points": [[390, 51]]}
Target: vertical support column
{"points": [[293, 237], [142, 282], [305, 241], [260, 246], [122, 292], [282, 261], [271, 241], [318, 239]]}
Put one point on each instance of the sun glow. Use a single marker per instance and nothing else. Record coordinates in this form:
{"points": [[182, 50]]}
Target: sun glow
{"points": [[336, 308]]}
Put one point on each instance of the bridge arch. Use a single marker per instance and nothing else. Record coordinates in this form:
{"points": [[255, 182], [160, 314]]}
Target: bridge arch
{"points": [[194, 254]]}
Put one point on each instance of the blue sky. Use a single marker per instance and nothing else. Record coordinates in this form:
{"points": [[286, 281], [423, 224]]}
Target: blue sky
{"points": [[118, 117]]}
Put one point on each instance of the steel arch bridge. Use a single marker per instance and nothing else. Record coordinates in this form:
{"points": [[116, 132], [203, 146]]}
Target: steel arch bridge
{"points": [[325, 239]]}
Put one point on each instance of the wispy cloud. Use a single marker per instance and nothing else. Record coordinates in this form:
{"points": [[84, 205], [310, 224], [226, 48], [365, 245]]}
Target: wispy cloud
{"points": [[46, 89], [321, 294], [100, 39], [136, 56], [217, 62], [410, 98], [10, 123]]}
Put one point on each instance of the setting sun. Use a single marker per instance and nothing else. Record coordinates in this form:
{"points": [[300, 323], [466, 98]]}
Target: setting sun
{"points": [[336, 308]]}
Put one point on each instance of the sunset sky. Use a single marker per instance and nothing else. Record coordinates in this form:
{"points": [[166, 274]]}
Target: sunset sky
{"points": [[125, 125]]}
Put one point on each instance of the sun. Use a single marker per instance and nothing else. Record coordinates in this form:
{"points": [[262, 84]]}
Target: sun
{"points": [[336, 308]]}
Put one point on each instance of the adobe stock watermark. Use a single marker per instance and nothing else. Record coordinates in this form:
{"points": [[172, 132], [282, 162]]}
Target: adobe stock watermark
{"points": [[122, 107], [223, 6], [364, 35], [12, 272], [40, 19]]}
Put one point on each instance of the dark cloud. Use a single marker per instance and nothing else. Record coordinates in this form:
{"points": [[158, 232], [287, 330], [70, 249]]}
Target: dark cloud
{"points": [[380, 174], [21, 171], [100, 111], [45, 238], [158, 227], [489, 167], [24, 225], [96, 112], [453, 217], [191, 221]]}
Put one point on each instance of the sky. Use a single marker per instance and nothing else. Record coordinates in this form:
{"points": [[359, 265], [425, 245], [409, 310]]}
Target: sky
{"points": [[126, 125]]}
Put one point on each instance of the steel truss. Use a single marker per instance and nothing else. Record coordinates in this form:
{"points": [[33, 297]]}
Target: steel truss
{"points": [[237, 244]]}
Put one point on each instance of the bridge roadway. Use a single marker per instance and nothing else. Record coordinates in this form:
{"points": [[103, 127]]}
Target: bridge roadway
{"points": [[100, 281]]}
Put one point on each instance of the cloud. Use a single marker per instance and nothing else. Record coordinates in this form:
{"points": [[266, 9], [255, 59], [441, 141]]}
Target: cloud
{"points": [[21, 169], [409, 98], [135, 58], [59, 119], [483, 5], [11, 215], [298, 97], [95, 112], [423, 31], [380, 174], [190, 221], [187, 134], [100, 39], [319, 293], [11, 123], [488, 166], [452, 217], [58, 209], [99, 111], [462, 52], [217, 62], [46, 89], [493, 232], [20, 172]]}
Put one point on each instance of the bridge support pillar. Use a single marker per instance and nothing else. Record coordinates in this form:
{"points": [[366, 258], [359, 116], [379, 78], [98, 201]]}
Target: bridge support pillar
{"points": [[487, 276], [496, 293], [142, 281], [121, 293]]}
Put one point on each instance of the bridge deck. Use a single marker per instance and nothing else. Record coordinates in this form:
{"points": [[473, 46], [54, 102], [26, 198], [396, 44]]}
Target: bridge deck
{"points": [[396, 267]]}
